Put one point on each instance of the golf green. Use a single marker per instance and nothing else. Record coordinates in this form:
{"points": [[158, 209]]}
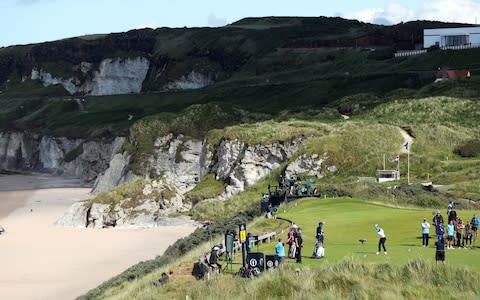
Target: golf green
{"points": [[347, 221]]}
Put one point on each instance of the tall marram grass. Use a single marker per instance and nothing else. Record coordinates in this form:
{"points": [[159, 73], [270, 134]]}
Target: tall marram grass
{"points": [[268, 132], [348, 279]]}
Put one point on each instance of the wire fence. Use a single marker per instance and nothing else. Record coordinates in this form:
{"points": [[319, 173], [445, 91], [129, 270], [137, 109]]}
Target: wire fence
{"points": [[417, 52]]}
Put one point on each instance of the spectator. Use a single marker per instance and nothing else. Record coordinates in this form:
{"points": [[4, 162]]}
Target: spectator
{"points": [[449, 207], [452, 216], [425, 232], [475, 222], [299, 244], [437, 219], [319, 251], [450, 234], [382, 240], [213, 259], [320, 235], [291, 243], [440, 251], [439, 230], [280, 251], [467, 239], [250, 242], [460, 231]]}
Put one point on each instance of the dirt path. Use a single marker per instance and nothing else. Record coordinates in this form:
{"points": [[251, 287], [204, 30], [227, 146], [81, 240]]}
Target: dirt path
{"points": [[406, 138]]}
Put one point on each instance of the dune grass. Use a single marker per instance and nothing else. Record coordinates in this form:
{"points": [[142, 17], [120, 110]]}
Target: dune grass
{"points": [[269, 132], [208, 188]]}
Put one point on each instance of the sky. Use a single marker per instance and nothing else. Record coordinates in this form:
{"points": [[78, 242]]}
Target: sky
{"points": [[33, 21]]}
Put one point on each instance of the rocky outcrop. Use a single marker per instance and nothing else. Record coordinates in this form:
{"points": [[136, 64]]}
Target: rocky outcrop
{"points": [[94, 158], [182, 162], [242, 166], [116, 174], [47, 79], [119, 76], [151, 209], [192, 80], [114, 76], [18, 151], [52, 152], [71, 157], [227, 156], [307, 165], [75, 216]]}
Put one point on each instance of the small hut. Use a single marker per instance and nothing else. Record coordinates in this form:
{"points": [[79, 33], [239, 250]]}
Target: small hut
{"points": [[387, 175]]}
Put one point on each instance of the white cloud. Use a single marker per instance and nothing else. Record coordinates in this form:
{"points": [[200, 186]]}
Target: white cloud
{"points": [[464, 11], [215, 21]]}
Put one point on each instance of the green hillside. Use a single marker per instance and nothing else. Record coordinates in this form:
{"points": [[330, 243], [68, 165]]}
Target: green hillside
{"points": [[277, 66]]}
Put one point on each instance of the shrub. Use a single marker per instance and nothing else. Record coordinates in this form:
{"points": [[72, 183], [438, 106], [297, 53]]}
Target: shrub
{"points": [[470, 148], [381, 54], [208, 188]]}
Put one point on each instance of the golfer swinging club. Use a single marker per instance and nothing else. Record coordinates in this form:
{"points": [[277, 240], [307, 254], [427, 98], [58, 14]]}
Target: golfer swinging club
{"points": [[382, 240]]}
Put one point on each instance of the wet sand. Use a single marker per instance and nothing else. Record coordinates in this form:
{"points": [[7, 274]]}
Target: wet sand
{"points": [[40, 261]]}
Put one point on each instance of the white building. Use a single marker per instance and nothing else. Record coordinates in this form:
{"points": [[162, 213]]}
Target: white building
{"points": [[387, 175], [451, 37]]}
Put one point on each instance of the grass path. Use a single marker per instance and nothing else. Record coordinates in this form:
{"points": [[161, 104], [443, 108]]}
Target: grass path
{"points": [[349, 220]]}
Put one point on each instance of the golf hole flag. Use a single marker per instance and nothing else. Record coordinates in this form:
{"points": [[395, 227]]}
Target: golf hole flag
{"points": [[406, 147]]}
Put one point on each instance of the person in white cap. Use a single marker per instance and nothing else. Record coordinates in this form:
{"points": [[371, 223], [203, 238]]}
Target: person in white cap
{"points": [[383, 238]]}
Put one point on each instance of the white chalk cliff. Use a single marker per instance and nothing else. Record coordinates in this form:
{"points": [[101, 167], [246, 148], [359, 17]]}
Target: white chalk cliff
{"points": [[193, 80], [114, 76], [21, 151]]}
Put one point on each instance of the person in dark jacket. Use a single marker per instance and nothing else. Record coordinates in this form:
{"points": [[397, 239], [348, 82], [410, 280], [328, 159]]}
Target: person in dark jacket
{"points": [[440, 250], [437, 219], [320, 235], [299, 244]]}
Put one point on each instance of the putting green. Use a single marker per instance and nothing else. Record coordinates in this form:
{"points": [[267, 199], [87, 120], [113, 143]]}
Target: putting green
{"points": [[349, 220]]}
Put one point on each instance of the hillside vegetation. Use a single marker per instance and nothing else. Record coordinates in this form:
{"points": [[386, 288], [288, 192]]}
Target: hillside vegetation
{"points": [[350, 269], [275, 66]]}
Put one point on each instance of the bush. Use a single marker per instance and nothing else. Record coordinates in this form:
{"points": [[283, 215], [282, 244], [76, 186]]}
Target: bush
{"points": [[468, 149], [433, 48], [381, 54]]}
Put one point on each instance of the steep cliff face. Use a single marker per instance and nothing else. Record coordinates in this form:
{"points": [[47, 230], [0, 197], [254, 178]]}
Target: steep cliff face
{"points": [[242, 166], [17, 150], [191, 81], [70, 157], [180, 163], [116, 174], [308, 165], [114, 76], [183, 162]]}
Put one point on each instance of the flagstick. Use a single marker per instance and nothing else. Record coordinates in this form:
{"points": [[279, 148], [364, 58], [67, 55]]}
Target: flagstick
{"points": [[398, 166], [408, 165]]}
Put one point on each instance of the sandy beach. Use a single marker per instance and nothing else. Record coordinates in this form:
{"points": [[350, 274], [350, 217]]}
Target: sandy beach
{"points": [[40, 261]]}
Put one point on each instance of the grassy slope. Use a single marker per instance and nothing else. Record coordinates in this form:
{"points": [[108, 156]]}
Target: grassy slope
{"points": [[347, 220]]}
